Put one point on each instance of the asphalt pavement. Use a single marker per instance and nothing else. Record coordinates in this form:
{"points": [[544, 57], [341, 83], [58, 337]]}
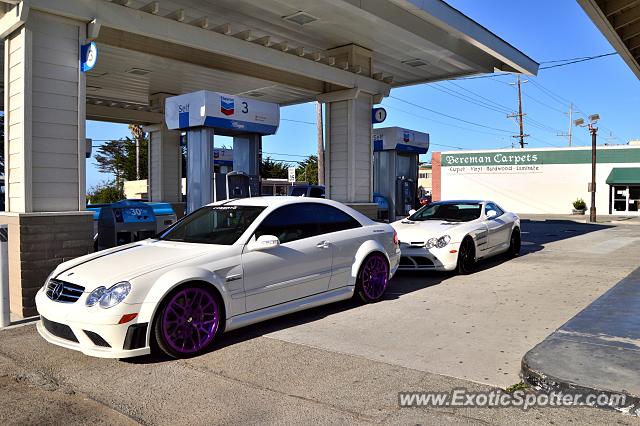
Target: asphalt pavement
{"points": [[346, 363]]}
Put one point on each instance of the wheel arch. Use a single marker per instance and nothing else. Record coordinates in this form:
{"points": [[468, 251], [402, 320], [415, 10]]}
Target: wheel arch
{"points": [[174, 279], [365, 249]]}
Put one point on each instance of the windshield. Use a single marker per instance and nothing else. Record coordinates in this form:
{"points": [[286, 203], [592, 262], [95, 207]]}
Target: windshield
{"points": [[451, 212], [213, 225]]}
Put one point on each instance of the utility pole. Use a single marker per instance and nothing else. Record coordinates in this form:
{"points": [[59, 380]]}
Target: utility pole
{"points": [[593, 119], [592, 211], [569, 134], [319, 127], [520, 116]]}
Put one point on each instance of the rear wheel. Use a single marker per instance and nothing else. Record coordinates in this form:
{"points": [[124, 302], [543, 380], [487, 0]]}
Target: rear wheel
{"points": [[515, 243], [373, 278], [466, 257], [188, 321]]}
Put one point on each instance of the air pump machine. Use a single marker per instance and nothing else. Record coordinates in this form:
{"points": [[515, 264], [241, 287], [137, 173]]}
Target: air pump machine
{"points": [[395, 167]]}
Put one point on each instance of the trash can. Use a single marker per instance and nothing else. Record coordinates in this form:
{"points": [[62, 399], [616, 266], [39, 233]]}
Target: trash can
{"points": [[125, 222]]}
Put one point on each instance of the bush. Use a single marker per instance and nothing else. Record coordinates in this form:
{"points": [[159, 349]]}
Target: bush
{"points": [[579, 204], [104, 193]]}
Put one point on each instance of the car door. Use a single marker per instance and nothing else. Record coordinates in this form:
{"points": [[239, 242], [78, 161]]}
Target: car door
{"points": [[498, 227], [345, 235], [299, 267]]}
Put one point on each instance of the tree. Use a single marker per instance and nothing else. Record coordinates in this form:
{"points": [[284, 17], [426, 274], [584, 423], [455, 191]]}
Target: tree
{"points": [[105, 193], [118, 157], [272, 169], [308, 170]]}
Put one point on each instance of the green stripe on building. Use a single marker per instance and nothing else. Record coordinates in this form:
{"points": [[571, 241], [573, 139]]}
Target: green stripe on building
{"points": [[531, 157]]}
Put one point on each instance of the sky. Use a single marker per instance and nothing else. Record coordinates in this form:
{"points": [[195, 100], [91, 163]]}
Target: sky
{"points": [[545, 30]]}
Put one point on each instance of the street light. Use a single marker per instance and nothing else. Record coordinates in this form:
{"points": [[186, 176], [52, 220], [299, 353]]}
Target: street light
{"points": [[593, 119]]}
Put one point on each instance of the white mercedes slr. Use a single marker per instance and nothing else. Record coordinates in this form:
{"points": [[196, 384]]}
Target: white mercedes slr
{"points": [[454, 235], [225, 266]]}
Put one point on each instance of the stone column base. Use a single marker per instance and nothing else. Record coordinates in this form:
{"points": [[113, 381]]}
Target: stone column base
{"points": [[38, 242]]}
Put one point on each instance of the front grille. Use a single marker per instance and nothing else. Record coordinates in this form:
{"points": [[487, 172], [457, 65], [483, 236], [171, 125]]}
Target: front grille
{"points": [[416, 262], [59, 330], [405, 261], [62, 291]]}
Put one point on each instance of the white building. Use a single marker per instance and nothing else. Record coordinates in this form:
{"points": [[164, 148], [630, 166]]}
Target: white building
{"points": [[545, 180]]}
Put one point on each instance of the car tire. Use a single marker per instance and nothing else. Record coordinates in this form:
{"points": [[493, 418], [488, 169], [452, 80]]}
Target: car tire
{"points": [[373, 278], [466, 257], [515, 243], [188, 321]]}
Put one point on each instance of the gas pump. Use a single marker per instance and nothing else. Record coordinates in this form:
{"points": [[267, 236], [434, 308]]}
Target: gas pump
{"points": [[395, 168], [204, 114]]}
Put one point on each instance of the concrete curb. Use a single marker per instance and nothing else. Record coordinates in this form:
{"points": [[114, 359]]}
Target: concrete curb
{"points": [[595, 352], [549, 384]]}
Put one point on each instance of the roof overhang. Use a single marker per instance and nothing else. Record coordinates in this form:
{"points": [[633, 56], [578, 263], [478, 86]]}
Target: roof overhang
{"points": [[247, 47], [619, 22]]}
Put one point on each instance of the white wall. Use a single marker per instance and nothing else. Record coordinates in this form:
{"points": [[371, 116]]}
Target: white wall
{"points": [[551, 189]]}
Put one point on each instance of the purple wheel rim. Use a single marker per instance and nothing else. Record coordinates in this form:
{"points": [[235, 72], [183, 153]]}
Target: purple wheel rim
{"points": [[190, 320], [375, 276]]}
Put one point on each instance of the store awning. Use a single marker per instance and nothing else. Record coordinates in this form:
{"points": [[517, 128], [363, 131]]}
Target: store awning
{"points": [[624, 176]]}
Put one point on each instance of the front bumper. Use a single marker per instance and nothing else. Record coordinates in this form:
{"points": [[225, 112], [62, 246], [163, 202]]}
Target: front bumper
{"points": [[74, 326], [434, 259]]}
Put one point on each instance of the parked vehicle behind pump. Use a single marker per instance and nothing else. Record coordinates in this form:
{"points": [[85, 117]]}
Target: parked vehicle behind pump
{"points": [[454, 235], [313, 191]]}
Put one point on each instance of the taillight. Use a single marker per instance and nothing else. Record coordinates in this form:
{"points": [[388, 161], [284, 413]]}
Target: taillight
{"points": [[395, 238]]}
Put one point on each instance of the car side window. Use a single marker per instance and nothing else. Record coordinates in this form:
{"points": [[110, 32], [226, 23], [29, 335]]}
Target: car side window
{"points": [[304, 220], [491, 206]]}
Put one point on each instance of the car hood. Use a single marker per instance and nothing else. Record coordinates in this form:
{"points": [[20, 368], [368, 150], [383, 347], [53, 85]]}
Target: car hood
{"points": [[124, 263], [420, 231]]}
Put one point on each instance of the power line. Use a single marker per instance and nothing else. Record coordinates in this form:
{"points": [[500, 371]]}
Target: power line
{"points": [[466, 98], [442, 122], [588, 58], [449, 116], [480, 96], [298, 121]]}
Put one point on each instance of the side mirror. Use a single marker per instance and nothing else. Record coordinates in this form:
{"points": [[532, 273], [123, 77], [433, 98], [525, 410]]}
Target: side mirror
{"points": [[491, 214], [264, 242], [412, 212]]}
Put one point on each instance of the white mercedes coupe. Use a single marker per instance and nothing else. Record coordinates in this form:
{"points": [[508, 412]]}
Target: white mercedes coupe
{"points": [[454, 235], [224, 266]]}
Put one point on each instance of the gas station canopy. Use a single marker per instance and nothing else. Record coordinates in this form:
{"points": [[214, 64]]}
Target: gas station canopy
{"points": [[272, 49], [619, 22]]}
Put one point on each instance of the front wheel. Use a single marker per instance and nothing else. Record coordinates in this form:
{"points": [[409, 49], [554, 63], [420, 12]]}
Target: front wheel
{"points": [[373, 278], [188, 322], [466, 257]]}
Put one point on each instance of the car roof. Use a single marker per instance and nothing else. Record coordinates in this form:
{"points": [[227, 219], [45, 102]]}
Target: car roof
{"points": [[462, 202], [272, 201]]}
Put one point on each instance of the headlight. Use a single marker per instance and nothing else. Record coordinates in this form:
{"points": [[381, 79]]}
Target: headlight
{"points": [[108, 298], [115, 295], [443, 241], [95, 296], [431, 243]]}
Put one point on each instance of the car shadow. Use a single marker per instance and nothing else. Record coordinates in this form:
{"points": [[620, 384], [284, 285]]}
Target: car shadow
{"points": [[401, 284], [537, 233]]}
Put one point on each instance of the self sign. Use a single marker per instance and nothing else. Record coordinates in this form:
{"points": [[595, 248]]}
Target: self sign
{"points": [[378, 115]]}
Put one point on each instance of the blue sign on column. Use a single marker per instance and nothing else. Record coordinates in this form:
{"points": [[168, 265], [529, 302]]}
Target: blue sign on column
{"points": [[378, 115], [88, 56]]}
